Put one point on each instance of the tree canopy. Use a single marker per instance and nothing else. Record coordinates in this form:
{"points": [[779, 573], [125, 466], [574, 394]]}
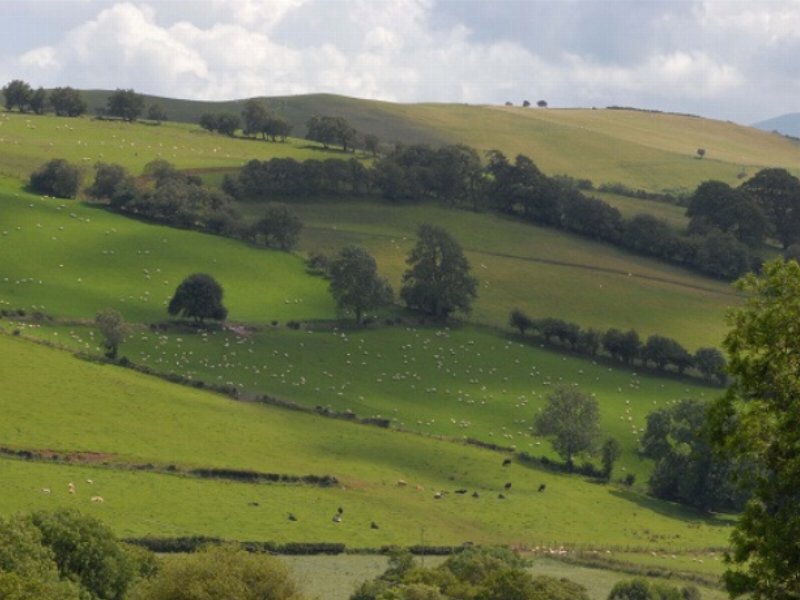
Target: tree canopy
{"points": [[571, 419], [67, 102], [355, 283], [57, 178], [279, 228], [778, 193], [758, 422], [199, 296], [437, 281], [17, 94], [113, 329], [331, 130], [125, 104]]}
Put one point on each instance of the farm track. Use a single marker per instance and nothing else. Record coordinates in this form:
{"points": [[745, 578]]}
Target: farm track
{"points": [[548, 261]]}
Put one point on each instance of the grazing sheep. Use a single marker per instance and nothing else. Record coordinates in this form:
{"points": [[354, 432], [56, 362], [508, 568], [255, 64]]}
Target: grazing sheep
{"points": [[420, 488], [507, 486], [98, 499], [89, 481], [506, 462], [402, 483], [542, 487], [45, 490], [438, 496], [337, 518]]}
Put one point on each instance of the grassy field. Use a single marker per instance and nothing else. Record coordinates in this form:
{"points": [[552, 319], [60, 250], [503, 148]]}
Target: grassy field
{"points": [[27, 141], [71, 260], [123, 417], [539, 270], [630, 207]]}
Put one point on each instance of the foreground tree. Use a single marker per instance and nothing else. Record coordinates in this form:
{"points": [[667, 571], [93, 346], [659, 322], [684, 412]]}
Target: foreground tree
{"points": [[58, 178], [758, 421], [220, 572], [438, 280], [571, 419], [17, 94], [199, 296], [113, 328], [125, 104], [355, 283]]}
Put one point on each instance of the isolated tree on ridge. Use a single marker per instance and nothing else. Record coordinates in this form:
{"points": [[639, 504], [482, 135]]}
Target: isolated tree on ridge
{"points": [[199, 296], [355, 283], [437, 281]]}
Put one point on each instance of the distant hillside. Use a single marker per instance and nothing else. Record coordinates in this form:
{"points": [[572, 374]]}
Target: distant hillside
{"points": [[648, 150], [785, 124]]}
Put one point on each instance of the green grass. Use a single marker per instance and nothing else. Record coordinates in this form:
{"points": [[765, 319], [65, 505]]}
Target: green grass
{"points": [[539, 270], [71, 260], [462, 383], [27, 141], [630, 207], [74, 405]]}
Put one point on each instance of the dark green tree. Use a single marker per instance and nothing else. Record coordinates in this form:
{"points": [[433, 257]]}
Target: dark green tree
{"points": [[254, 115], [663, 351], [778, 193], [758, 422], [17, 94], [67, 102], [355, 283], [519, 320], [716, 205], [331, 130], [622, 346], [156, 112], [108, 180], [711, 363], [38, 101], [57, 178], [437, 281], [371, 143], [571, 420], [609, 452], [113, 329], [125, 104], [279, 228], [199, 296]]}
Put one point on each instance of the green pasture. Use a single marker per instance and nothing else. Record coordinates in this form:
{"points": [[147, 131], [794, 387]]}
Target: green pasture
{"points": [[27, 141], [69, 259], [539, 270], [630, 207], [58, 402], [460, 383]]}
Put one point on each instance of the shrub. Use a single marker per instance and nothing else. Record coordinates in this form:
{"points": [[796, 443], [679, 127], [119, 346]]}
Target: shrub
{"points": [[57, 178]]}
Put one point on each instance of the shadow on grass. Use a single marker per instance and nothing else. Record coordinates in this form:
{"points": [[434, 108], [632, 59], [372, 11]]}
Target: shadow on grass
{"points": [[674, 510]]}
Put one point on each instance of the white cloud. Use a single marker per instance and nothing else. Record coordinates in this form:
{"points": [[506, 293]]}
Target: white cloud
{"points": [[40, 58]]}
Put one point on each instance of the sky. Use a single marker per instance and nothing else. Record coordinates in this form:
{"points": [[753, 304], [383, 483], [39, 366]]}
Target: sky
{"points": [[723, 59]]}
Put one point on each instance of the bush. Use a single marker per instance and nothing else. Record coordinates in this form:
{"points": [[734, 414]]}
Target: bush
{"points": [[57, 178]]}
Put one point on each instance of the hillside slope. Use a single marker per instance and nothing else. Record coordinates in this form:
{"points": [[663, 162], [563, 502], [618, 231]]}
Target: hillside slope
{"points": [[648, 150]]}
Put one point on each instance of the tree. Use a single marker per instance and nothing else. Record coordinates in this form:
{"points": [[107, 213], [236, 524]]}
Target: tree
{"points": [[331, 130], [17, 93], [355, 283], [279, 227], [156, 112], [67, 102], [519, 320], [108, 181], [198, 296], [125, 104], [642, 589], [756, 421], [526, 103], [437, 281], [711, 363], [113, 328], [571, 419], [663, 351], [225, 571], [371, 144], [57, 178], [542, 104], [701, 152], [716, 205], [610, 452], [778, 193], [622, 346], [87, 552], [254, 115], [38, 101]]}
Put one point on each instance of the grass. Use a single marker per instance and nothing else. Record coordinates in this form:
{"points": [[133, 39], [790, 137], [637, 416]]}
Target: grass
{"points": [[71, 260], [129, 417], [27, 141], [539, 270], [630, 207]]}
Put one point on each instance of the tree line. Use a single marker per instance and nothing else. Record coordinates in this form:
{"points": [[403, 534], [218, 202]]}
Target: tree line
{"points": [[69, 102], [659, 352]]}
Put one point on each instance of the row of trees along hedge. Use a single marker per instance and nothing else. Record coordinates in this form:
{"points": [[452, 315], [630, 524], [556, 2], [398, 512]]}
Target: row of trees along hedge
{"points": [[69, 102], [169, 196], [725, 223], [659, 352]]}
